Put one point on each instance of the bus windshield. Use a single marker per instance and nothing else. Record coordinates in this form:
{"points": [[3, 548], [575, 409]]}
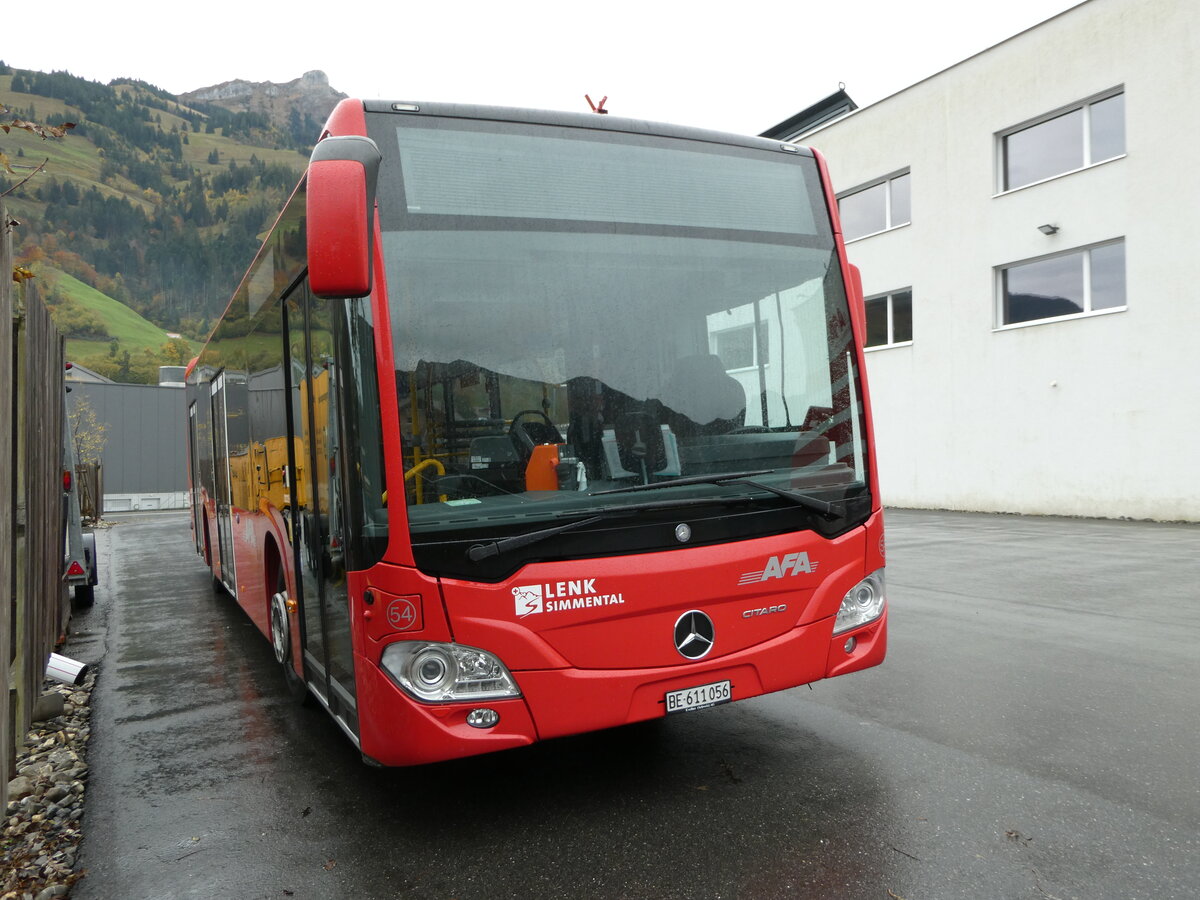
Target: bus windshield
{"points": [[577, 312]]}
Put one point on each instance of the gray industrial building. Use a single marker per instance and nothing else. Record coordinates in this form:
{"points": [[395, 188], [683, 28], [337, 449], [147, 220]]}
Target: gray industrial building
{"points": [[145, 454]]}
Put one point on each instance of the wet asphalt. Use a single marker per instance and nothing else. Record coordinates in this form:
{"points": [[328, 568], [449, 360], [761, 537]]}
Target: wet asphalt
{"points": [[1032, 734]]}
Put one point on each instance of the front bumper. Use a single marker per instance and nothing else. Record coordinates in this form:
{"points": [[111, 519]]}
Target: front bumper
{"points": [[398, 731]]}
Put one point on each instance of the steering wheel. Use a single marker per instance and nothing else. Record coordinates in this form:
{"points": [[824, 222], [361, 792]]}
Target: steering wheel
{"points": [[527, 435]]}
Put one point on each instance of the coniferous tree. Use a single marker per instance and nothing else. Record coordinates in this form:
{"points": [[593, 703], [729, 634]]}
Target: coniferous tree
{"points": [[164, 238]]}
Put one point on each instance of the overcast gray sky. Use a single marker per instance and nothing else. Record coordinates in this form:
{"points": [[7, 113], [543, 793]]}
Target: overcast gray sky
{"points": [[737, 66]]}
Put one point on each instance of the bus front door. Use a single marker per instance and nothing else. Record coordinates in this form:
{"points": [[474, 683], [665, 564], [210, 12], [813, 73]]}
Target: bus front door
{"points": [[328, 653]]}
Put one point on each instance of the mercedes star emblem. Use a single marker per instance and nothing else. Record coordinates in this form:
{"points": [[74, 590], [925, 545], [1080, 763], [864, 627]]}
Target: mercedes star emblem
{"points": [[693, 634]]}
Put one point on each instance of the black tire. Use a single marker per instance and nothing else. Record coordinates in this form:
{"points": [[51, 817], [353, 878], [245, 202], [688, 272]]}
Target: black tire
{"points": [[281, 642], [85, 595]]}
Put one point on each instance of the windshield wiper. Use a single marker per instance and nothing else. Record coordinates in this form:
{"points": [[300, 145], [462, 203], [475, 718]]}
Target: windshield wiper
{"points": [[822, 507], [477, 552], [679, 482]]}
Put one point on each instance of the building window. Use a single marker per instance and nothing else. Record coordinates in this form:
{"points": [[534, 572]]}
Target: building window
{"points": [[1066, 141], [889, 319], [738, 349], [1069, 284], [877, 207]]}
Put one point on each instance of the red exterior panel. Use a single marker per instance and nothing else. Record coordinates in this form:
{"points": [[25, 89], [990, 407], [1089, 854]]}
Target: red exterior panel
{"points": [[590, 643], [620, 612], [612, 663], [401, 732]]}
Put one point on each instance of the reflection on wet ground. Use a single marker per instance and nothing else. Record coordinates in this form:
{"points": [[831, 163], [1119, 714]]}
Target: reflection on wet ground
{"points": [[209, 782]]}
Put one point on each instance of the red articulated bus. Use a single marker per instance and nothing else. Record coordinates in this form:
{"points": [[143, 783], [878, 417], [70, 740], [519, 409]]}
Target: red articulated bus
{"points": [[526, 424]]}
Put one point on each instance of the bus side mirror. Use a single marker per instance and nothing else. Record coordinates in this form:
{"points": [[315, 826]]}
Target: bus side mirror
{"points": [[858, 304], [856, 289], [340, 213]]}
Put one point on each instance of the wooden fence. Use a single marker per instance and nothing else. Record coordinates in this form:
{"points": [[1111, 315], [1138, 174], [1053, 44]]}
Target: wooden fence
{"points": [[34, 607]]}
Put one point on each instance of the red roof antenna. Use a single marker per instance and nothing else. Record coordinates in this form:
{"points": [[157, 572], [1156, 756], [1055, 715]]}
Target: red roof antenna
{"points": [[597, 107]]}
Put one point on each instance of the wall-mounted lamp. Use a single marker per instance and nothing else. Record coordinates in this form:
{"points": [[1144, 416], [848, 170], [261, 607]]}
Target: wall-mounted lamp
{"points": [[1048, 229]]}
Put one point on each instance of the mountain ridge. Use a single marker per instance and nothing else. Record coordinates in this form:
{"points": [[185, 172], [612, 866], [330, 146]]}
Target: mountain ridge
{"points": [[156, 201], [309, 95]]}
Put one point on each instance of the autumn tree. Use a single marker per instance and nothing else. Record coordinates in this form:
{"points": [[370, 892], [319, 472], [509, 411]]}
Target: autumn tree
{"points": [[89, 435], [175, 352]]}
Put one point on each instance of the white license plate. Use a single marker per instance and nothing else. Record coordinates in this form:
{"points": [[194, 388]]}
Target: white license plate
{"points": [[698, 697]]}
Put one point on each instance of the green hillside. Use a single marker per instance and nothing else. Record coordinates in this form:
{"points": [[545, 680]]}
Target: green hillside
{"points": [[125, 325], [153, 205], [148, 345]]}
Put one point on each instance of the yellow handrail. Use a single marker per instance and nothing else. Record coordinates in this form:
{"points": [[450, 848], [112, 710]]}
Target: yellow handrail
{"points": [[426, 464]]}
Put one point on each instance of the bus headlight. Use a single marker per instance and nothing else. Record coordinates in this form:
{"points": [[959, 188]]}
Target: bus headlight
{"points": [[447, 673], [863, 603]]}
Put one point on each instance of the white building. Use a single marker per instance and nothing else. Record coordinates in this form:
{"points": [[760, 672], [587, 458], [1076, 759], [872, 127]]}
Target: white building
{"points": [[1026, 226]]}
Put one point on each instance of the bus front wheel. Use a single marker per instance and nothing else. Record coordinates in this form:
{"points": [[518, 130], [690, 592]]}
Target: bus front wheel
{"points": [[281, 642]]}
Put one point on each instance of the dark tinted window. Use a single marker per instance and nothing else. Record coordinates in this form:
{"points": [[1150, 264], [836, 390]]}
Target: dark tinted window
{"points": [[877, 322], [889, 319], [901, 211], [1108, 128], [1070, 284], [864, 212], [1044, 289], [876, 208], [1108, 276], [1042, 150], [1091, 133], [577, 330], [902, 317]]}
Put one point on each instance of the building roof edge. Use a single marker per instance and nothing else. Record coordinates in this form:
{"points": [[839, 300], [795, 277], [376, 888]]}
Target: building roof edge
{"points": [[821, 126]]}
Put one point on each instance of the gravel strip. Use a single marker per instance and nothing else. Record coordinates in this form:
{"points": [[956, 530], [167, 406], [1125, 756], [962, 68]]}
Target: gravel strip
{"points": [[43, 818]]}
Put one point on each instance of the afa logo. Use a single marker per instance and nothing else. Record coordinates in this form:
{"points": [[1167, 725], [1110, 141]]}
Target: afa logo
{"points": [[780, 566], [528, 599]]}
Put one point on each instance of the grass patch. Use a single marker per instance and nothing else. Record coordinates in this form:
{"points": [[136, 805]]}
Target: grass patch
{"points": [[125, 325]]}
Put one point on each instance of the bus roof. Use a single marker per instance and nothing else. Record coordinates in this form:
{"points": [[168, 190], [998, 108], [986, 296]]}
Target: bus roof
{"points": [[571, 120]]}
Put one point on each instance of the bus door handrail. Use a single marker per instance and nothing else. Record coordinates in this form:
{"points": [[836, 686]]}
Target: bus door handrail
{"points": [[430, 463]]}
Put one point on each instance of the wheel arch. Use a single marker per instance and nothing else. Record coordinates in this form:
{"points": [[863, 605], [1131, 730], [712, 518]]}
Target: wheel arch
{"points": [[272, 566]]}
